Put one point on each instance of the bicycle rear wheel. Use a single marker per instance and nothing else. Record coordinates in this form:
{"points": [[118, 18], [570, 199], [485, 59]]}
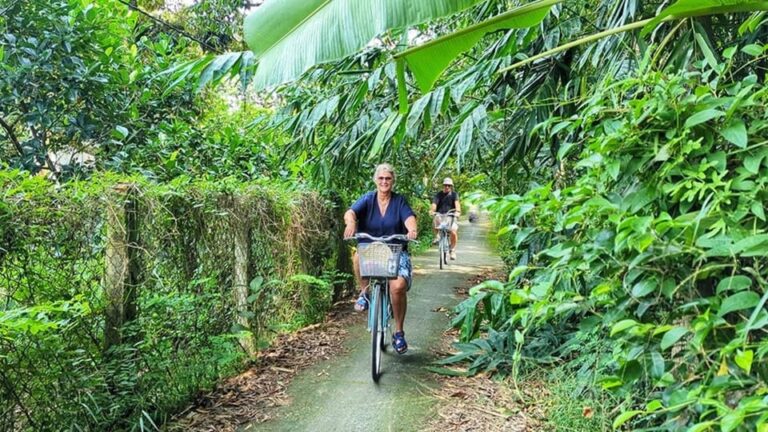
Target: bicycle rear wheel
{"points": [[377, 332]]}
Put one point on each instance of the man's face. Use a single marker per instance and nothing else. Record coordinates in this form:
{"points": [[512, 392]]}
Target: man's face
{"points": [[447, 188]]}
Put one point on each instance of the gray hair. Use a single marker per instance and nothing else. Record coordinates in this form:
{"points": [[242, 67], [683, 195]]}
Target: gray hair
{"points": [[384, 167]]}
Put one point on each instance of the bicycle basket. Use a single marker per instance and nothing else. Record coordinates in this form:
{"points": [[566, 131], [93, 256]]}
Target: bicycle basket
{"points": [[444, 221], [379, 259]]}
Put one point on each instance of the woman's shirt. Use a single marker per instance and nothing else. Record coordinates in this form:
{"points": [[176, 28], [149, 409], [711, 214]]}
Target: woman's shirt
{"points": [[372, 222]]}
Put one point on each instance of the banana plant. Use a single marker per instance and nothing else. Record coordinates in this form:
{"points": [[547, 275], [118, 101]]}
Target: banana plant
{"points": [[288, 37]]}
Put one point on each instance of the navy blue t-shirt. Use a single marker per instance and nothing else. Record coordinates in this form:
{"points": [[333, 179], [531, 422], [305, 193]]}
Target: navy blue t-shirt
{"points": [[372, 222]]}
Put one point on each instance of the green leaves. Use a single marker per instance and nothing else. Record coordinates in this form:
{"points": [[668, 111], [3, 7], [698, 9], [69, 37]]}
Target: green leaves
{"points": [[672, 336], [288, 37], [703, 116], [739, 301], [625, 417], [688, 8], [429, 60], [744, 359], [623, 325], [735, 132]]}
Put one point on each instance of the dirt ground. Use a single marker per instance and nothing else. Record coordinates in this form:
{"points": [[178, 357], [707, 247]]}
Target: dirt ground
{"points": [[477, 403]]}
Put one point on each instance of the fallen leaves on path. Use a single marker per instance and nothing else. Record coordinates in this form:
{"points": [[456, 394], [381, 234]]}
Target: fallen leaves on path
{"points": [[252, 396], [480, 403]]}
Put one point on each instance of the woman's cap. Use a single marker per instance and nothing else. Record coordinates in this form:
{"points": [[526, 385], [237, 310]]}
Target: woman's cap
{"points": [[448, 181]]}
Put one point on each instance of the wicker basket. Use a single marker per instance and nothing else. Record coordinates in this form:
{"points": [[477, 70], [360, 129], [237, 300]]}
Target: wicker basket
{"points": [[379, 259]]}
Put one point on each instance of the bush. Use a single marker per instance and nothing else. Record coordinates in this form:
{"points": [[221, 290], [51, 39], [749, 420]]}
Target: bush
{"points": [[653, 237]]}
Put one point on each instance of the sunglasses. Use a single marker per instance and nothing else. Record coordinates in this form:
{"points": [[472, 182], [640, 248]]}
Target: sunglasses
{"points": [[384, 178]]}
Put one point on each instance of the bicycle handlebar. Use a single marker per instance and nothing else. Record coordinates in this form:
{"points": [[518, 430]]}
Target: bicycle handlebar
{"points": [[360, 235], [448, 213]]}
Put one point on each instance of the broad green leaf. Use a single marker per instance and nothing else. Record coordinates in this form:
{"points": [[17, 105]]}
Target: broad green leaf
{"points": [[625, 417], [753, 49], [758, 210], [744, 360], [752, 162], [738, 301], [734, 283], [756, 245], [731, 421], [654, 406], [623, 325], [644, 287], [671, 337], [703, 116], [290, 36], [688, 8], [735, 132], [429, 60], [517, 271]]}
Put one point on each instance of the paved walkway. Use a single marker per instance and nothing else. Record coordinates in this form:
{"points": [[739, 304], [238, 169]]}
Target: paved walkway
{"points": [[339, 395]]}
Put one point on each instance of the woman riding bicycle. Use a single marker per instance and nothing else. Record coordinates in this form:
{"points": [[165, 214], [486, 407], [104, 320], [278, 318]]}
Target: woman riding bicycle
{"points": [[382, 213]]}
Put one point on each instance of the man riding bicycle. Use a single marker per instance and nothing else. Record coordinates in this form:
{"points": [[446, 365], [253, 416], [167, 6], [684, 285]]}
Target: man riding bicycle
{"points": [[443, 202]]}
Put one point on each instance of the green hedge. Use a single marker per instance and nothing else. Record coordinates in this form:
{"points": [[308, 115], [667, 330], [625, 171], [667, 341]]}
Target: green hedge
{"points": [[55, 370]]}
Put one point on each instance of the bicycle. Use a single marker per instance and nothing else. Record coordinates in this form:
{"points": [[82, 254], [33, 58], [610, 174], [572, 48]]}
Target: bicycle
{"points": [[443, 235], [379, 261]]}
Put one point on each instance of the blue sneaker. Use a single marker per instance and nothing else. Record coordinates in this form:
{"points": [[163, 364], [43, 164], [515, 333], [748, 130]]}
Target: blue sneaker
{"points": [[399, 343], [361, 305]]}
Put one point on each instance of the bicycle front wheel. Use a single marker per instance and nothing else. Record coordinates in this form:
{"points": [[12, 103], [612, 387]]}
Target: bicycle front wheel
{"points": [[440, 250], [377, 332]]}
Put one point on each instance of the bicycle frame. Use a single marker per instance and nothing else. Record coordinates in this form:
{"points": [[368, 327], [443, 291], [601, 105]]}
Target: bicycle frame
{"points": [[380, 306], [443, 233]]}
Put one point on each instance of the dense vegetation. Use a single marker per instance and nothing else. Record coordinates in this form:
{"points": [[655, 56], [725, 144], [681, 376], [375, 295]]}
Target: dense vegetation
{"points": [[626, 175]]}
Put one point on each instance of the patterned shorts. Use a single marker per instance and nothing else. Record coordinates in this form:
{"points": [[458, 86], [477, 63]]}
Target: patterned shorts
{"points": [[405, 270]]}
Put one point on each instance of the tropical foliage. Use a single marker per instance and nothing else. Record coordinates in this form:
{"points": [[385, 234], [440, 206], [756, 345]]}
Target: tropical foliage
{"points": [[620, 146], [640, 262]]}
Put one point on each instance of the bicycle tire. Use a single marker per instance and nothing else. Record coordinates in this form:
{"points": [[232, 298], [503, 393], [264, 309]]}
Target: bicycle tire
{"points": [[385, 322], [444, 250], [377, 333], [440, 247]]}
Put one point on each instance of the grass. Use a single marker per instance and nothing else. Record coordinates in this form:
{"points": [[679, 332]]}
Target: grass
{"points": [[571, 403]]}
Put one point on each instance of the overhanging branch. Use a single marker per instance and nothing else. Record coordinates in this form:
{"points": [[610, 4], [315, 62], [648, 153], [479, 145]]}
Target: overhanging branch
{"points": [[12, 136]]}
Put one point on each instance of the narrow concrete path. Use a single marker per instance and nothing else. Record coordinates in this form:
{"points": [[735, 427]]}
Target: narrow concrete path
{"points": [[339, 395]]}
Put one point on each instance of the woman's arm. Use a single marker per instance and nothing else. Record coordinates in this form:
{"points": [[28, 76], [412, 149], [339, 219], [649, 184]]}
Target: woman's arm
{"points": [[350, 223], [411, 226]]}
